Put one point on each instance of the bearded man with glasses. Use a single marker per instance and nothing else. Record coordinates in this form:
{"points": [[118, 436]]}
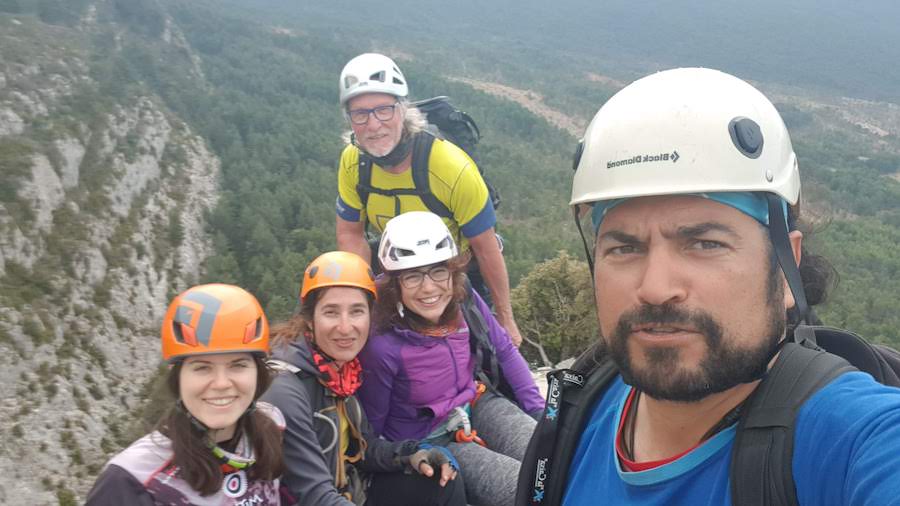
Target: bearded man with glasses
{"points": [[385, 131]]}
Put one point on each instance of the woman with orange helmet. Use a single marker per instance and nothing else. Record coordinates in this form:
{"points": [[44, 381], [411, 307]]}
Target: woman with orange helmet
{"points": [[217, 444], [331, 456]]}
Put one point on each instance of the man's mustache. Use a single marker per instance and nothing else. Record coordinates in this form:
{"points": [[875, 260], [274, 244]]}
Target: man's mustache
{"points": [[668, 314]]}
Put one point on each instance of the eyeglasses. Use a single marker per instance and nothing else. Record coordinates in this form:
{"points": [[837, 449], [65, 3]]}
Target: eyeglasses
{"points": [[381, 113], [414, 279]]}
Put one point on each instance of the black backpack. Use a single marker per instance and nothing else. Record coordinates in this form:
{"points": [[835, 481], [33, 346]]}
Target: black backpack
{"points": [[445, 122], [761, 471], [487, 368]]}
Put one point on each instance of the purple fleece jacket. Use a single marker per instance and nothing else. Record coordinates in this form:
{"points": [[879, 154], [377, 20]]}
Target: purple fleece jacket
{"points": [[412, 382]]}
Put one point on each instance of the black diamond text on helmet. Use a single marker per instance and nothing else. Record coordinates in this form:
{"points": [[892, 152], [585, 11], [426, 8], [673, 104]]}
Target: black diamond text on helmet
{"points": [[661, 157]]}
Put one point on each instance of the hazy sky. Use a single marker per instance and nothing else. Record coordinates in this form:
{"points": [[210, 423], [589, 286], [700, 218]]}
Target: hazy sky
{"points": [[852, 47]]}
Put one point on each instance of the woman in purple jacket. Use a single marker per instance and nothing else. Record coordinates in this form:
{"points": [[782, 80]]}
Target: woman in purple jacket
{"points": [[419, 370]]}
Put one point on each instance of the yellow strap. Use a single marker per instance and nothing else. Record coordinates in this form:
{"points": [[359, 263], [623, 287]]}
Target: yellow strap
{"points": [[340, 475]]}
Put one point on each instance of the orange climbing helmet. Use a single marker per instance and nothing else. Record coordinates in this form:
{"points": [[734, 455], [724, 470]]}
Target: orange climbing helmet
{"points": [[338, 268], [214, 318]]}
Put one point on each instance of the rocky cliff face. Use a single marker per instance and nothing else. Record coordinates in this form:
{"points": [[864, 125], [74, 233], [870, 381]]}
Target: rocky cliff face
{"points": [[101, 222]]}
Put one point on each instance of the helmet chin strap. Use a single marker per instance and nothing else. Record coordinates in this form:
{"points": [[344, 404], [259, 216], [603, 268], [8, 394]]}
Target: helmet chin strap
{"points": [[233, 460], [778, 233]]}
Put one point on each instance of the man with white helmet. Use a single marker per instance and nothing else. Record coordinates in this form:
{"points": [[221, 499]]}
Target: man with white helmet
{"points": [[386, 131], [692, 186]]}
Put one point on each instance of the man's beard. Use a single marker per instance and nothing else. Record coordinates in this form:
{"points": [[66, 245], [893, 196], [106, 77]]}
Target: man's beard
{"points": [[724, 366]]}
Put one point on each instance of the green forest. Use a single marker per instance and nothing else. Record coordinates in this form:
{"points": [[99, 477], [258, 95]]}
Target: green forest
{"points": [[253, 85], [259, 82]]}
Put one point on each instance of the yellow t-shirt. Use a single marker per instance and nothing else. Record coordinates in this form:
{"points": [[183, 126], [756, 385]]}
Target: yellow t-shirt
{"points": [[453, 177]]}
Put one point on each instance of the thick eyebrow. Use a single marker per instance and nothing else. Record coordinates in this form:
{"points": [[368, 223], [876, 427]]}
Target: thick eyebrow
{"points": [[702, 228], [619, 236], [682, 232]]}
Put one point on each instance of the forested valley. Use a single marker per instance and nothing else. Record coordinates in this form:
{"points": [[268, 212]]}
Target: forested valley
{"points": [[256, 82]]}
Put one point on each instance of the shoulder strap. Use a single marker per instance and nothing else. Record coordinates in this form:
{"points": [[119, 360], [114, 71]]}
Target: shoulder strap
{"points": [[421, 183], [487, 368], [882, 362], [571, 397], [761, 463], [364, 182], [281, 365], [421, 152]]}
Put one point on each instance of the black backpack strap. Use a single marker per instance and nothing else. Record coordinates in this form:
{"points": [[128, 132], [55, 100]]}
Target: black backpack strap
{"points": [[421, 151], [761, 463], [421, 183], [571, 397], [364, 183], [487, 367], [882, 362], [480, 340]]}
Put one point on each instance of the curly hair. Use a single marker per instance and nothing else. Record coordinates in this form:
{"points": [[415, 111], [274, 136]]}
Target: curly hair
{"points": [[817, 273], [389, 295]]}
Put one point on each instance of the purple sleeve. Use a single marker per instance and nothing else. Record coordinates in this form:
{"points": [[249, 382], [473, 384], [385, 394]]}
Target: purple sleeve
{"points": [[443, 408], [513, 365], [379, 368]]}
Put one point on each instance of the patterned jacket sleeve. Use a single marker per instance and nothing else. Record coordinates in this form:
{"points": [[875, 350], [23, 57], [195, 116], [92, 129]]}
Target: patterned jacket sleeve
{"points": [[117, 486]]}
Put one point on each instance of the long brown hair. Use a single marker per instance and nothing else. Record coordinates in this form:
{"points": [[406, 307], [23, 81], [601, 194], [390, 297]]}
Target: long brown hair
{"points": [[389, 294], [196, 463]]}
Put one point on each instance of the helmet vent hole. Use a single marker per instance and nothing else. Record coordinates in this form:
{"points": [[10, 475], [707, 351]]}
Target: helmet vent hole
{"points": [[396, 253], [576, 158], [377, 76], [398, 81], [746, 136], [176, 330], [184, 333], [445, 243], [253, 331]]}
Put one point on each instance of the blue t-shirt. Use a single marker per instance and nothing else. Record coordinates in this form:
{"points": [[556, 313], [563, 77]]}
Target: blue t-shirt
{"points": [[846, 451]]}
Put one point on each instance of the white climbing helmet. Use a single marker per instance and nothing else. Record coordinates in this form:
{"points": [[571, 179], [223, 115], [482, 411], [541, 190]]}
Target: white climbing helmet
{"points": [[415, 239], [689, 130], [371, 73]]}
